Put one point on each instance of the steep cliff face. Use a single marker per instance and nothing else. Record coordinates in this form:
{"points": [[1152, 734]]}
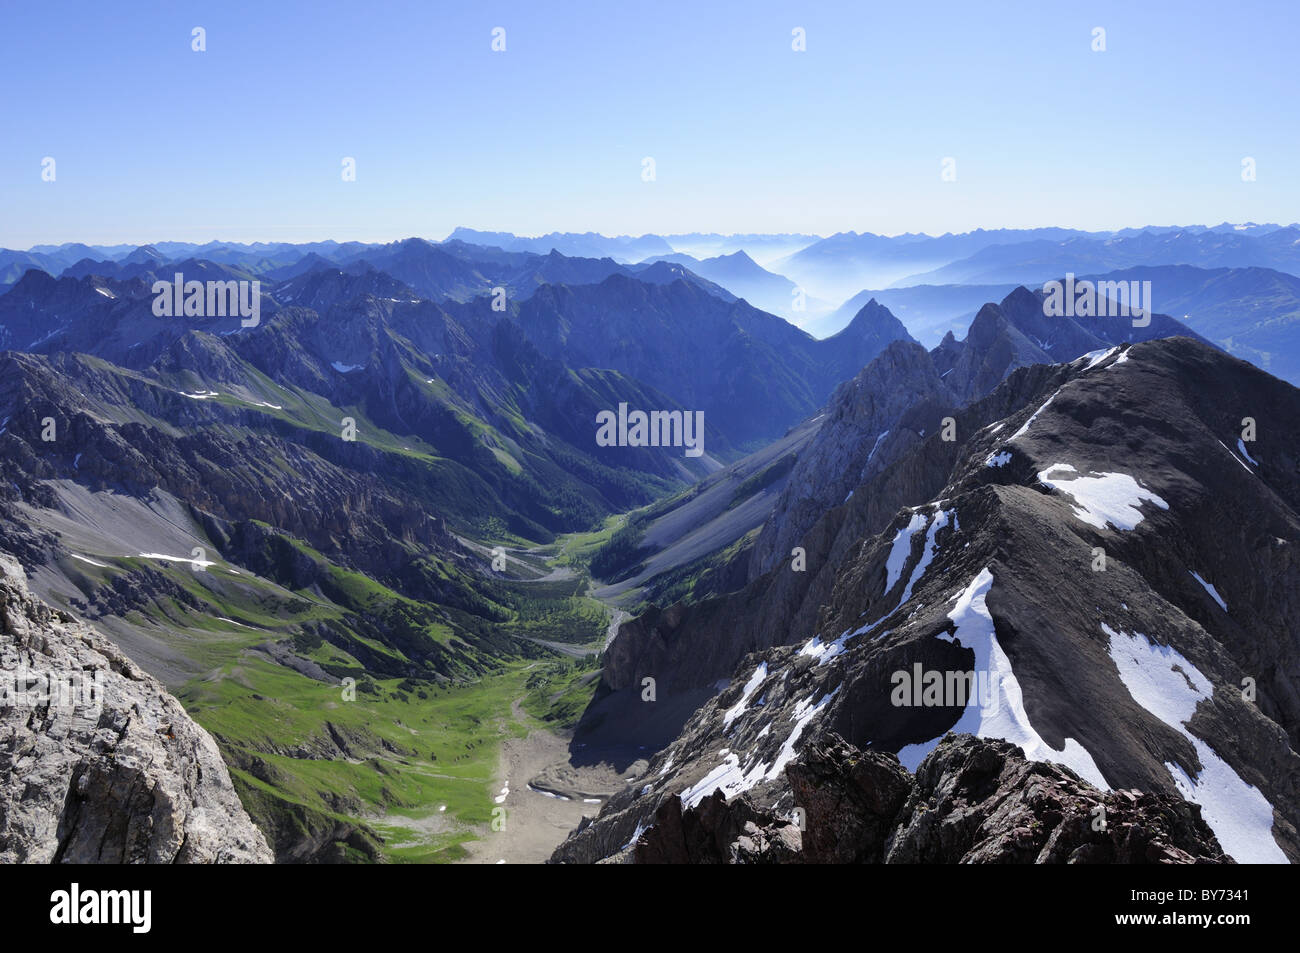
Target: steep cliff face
{"points": [[114, 771], [872, 420], [1098, 570], [688, 649]]}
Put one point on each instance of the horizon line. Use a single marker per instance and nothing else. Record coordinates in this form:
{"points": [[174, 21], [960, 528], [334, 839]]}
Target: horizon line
{"points": [[665, 235]]}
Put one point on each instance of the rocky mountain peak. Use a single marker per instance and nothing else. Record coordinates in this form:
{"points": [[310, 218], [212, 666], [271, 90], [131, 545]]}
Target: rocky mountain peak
{"points": [[120, 774]]}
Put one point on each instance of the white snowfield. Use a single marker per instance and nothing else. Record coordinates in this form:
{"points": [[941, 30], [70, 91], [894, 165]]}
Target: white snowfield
{"points": [[998, 459], [1102, 498], [1163, 682], [1004, 715]]}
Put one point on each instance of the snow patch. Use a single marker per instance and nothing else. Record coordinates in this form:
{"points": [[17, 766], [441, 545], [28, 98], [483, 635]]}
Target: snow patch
{"points": [[732, 779], [1025, 427], [636, 836], [876, 446], [998, 459], [1003, 715], [736, 710], [178, 559], [1102, 498], [728, 777], [552, 794], [901, 551], [1237, 458], [1163, 682], [1096, 357], [928, 551], [1214, 593], [804, 712]]}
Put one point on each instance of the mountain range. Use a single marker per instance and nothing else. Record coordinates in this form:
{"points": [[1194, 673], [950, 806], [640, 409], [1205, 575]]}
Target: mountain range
{"points": [[355, 552]]}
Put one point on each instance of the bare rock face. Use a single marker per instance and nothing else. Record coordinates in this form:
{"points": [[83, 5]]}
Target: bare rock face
{"points": [[717, 832], [873, 419], [972, 801], [850, 799], [114, 771], [979, 801]]}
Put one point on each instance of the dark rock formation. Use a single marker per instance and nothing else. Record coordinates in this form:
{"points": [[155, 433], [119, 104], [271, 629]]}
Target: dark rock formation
{"points": [[972, 801]]}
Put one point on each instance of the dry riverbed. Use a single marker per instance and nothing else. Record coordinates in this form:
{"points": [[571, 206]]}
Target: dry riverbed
{"points": [[544, 796]]}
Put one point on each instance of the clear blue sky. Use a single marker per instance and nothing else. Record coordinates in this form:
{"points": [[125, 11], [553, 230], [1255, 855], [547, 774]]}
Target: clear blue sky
{"points": [[244, 141]]}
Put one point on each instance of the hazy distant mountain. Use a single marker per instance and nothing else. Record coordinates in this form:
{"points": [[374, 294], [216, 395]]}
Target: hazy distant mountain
{"points": [[460, 270], [753, 373], [764, 249], [928, 311], [1041, 260], [1253, 313], [840, 266], [745, 278], [144, 255], [622, 248]]}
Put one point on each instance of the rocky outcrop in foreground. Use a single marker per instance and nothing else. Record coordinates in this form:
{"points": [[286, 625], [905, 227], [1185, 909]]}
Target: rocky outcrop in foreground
{"points": [[122, 775], [972, 801]]}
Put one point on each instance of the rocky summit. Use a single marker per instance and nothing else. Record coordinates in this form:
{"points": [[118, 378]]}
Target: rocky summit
{"points": [[115, 774], [971, 801]]}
